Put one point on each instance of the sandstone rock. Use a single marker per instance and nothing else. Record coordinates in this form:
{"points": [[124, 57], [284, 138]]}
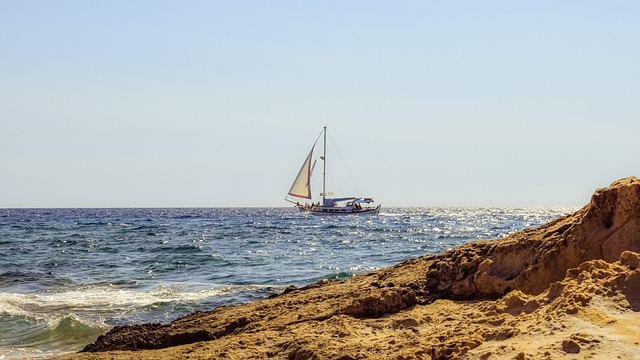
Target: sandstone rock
{"points": [[571, 347], [532, 259]]}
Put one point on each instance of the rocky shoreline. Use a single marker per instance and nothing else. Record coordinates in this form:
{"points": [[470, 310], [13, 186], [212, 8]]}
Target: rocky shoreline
{"points": [[568, 288]]}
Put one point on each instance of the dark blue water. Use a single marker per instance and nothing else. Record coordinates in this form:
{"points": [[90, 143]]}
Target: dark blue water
{"points": [[68, 275]]}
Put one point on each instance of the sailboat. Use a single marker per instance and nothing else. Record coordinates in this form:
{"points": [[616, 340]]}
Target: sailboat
{"points": [[301, 189]]}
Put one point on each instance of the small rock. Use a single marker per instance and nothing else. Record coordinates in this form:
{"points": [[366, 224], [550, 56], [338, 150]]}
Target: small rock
{"points": [[630, 259], [570, 346]]}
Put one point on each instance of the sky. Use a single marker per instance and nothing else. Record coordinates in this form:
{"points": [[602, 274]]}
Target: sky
{"points": [[217, 103]]}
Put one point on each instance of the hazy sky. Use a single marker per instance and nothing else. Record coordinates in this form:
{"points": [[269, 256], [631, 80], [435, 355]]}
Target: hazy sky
{"points": [[216, 103]]}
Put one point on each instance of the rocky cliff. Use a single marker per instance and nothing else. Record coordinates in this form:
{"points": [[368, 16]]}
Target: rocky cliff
{"points": [[532, 259]]}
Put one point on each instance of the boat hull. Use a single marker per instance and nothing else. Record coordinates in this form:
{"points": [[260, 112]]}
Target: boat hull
{"points": [[339, 210]]}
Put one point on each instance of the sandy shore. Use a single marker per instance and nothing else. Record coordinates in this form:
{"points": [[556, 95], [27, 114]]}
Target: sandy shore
{"points": [[569, 289]]}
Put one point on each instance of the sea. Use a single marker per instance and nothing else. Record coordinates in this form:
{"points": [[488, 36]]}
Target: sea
{"points": [[69, 275]]}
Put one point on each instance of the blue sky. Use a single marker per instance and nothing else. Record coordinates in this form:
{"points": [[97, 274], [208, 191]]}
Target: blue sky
{"points": [[212, 103]]}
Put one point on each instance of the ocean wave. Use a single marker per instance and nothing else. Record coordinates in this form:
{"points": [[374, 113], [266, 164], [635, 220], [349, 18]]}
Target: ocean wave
{"points": [[29, 281], [24, 334], [64, 320], [107, 298]]}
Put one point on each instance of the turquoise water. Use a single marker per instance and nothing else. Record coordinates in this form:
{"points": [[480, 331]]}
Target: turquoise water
{"points": [[68, 275]]}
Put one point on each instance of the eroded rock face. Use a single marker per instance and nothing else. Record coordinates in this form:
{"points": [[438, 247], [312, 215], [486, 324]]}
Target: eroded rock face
{"points": [[532, 259]]}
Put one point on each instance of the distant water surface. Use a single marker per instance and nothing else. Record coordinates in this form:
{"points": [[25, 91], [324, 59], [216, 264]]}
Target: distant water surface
{"points": [[68, 275]]}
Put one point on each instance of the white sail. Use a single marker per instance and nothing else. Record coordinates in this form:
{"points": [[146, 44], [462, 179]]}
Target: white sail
{"points": [[302, 184]]}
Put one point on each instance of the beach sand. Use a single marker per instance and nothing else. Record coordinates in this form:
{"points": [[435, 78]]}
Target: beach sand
{"points": [[568, 289]]}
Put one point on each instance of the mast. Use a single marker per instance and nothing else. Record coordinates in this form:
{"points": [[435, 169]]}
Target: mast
{"points": [[324, 167]]}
